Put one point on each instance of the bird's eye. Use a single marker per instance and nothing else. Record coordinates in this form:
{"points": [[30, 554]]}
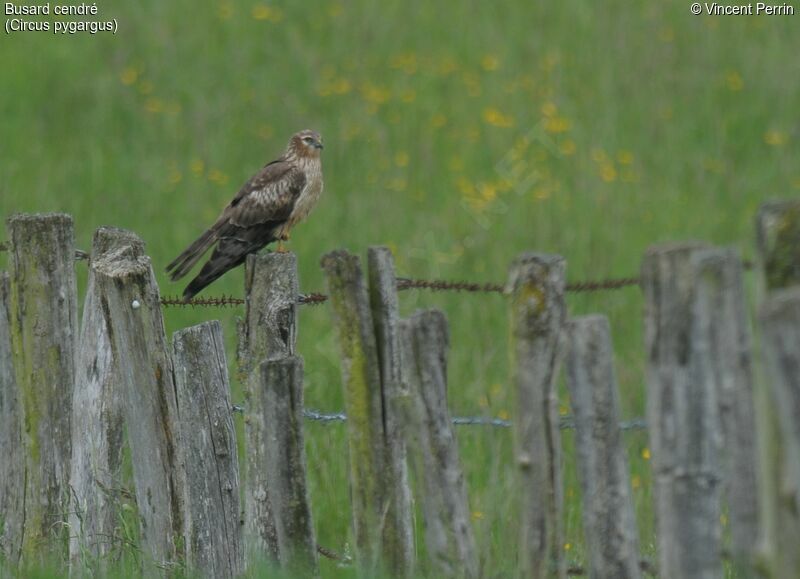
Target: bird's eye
{"points": [[307, 139]]}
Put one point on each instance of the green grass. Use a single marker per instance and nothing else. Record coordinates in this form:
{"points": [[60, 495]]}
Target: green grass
{"points": [[459, 134]]}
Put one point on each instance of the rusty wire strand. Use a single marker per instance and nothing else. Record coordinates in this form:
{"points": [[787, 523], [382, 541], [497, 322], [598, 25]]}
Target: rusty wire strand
{"points": [[404, 284]]}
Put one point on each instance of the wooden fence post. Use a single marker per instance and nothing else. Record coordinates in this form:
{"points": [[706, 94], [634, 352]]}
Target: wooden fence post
{"points": [[398, 534], [443, 491], [131, 307], [361, 379], [12, 475], [282, 415], [778, 236], [212, 531], [609, 520], [97, 424], [43, 331], [682, 418], [268, 331], [721, 344], [538, 315]]}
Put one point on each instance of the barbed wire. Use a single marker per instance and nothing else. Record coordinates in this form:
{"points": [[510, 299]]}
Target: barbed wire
{"points": [[566, 422], [403, 284]]}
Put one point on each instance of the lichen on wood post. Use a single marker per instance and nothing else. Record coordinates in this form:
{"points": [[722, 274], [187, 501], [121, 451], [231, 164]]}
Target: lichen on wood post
{"points": [[778, 240], [212, 529], [43, 331], [131, 307], [267, 331], [398, 537], [281, 407], [361, 381], [537, 318], [97, 425], [682, 417], [12, 475], [609, 519], [434, 448], [722, 346]]}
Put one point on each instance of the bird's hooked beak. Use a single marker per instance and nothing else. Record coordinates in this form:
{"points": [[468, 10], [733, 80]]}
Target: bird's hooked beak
{"points": [[318, 145]]}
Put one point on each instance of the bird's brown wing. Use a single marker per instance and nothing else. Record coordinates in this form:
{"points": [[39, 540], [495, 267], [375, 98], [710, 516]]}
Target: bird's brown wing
{"points": [[248, 223]]}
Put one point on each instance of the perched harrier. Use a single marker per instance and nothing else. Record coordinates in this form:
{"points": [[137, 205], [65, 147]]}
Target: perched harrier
{"points": [[275, 199]]}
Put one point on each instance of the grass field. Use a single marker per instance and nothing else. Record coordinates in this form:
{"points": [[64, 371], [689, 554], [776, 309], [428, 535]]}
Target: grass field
{"points": [[458, 134]]}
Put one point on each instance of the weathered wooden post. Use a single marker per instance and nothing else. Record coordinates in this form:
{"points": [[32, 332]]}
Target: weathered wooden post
{"points": [[267, 332], [361, 378], [682, 417], [43, 331], [282, 415], [97, 423], [538, 315], [12, 475], [609, 520], [778, 235], [723, 363], [445, 507], [398, 535], [212, 531], [131, 308]]}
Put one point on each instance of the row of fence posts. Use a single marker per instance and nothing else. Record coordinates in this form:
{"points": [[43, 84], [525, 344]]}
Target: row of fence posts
{"points": [[67, 393]]}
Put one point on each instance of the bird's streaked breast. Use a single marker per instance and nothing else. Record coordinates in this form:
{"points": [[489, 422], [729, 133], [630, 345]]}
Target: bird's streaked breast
{"points": [[309, 196]]}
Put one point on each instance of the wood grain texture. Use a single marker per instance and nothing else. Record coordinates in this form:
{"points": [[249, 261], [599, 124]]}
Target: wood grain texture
{"points": [[212, 529], [537, 319], [434, 448], [268, 331], [282, 412], [724, 362], [398, 535], [130, 302], [778, 237], [609, 519], [43, 332], [12, 474], [361, 379], [97, 424], [682, 416]]}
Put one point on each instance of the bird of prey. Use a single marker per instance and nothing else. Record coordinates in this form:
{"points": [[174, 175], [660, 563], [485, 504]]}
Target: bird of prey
{"points": [[272, 201]]}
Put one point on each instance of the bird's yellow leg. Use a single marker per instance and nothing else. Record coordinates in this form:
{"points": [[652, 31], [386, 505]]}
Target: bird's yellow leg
{"points": [[284, 236]]}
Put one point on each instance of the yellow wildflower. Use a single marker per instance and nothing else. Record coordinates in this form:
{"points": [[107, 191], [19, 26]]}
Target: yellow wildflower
{"points": [[567, 147], [129, 76], [154, 105], [557, 125], [375, 94], [503, 415], [636, 481], [624, 157], [775, 138], [734, 81], [401, 159], [494, 117], [225, 10], [646, 453], [438, 121], [218, 177], [608, 172], [490, 62], [197, 166]]}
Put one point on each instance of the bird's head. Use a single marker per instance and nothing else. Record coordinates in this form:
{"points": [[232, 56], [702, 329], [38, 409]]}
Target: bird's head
{"points": [[306, 143]]}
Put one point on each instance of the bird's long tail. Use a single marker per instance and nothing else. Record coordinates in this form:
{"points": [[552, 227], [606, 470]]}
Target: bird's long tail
{"points": [[229, 253], [192, 254]]}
